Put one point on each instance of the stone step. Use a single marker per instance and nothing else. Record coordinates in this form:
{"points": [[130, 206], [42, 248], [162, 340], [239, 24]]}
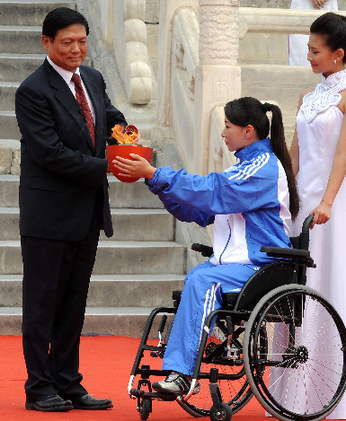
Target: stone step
{"points": [[16, 67], [8, 125], [109, 290], [9, 128], [120, 257], [10, 148], [9, 156], [7, 92], [123, 321], [28, 12], [152, 224], [20, 39], [9, 190], [122, 195], [131, 195]]}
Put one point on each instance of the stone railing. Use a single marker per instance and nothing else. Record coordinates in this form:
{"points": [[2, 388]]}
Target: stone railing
{"points": [[121, 33], [135, 65], [282, 4], [199, 70], [277, 20]]}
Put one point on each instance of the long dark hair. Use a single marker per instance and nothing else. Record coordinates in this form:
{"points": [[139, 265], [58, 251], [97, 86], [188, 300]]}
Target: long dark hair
{"points": [[333, 28], [247, 110]]}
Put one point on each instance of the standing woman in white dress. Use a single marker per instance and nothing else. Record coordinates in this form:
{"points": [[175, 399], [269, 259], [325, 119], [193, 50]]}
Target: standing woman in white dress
{"points": [[318, 155], [297, 43]]}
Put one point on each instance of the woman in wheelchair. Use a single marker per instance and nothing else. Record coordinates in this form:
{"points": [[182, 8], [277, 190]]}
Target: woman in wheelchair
{"points": [[250, 204]]}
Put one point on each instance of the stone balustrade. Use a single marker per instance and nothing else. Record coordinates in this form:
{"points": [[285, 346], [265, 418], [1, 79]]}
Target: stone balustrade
{"points": [[137, 72], [200, 69], [282, 4], [121, 30], [277, 20]]}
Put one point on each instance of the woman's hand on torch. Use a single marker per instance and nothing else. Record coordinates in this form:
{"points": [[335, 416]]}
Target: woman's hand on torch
{"points": [[136, 167]]}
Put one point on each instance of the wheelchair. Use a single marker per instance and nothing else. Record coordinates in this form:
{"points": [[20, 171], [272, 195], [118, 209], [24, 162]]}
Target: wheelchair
{"points": [[263, 342]]}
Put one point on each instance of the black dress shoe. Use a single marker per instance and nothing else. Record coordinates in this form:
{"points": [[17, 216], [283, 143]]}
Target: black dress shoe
{"points": [[53, 403], [89, 402]]}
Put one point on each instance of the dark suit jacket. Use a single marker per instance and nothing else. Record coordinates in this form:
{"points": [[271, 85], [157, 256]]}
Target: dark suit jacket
{"points": [[62, 175]]}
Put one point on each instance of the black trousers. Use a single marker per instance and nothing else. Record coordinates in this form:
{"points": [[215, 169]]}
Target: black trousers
{"points": [[55, 287]]}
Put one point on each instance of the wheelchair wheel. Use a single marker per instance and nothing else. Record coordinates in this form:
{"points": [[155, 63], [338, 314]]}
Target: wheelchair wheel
{"points": [[145, 409], [235, 392], [301, 373]]}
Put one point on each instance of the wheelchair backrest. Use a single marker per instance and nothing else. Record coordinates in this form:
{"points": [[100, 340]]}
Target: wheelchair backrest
{"points": [[266, 279]]}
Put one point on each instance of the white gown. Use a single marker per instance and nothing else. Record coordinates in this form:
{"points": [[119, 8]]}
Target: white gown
{"points": [[318, 128], [297, 43]]}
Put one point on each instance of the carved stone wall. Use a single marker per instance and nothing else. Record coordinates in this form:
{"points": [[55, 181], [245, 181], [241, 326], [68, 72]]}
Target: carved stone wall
{"points": [[152, 11], [219, 33], [184, 61], [168, 12], [219, 155]]}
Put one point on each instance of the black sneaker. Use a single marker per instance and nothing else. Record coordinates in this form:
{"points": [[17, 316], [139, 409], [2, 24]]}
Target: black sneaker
{"points": [[175, 383]]}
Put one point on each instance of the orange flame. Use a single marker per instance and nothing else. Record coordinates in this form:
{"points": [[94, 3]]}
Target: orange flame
{"points": [[125, 136]]}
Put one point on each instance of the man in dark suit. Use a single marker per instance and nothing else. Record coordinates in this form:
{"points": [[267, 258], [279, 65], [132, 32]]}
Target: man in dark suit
{"points": [[64, 116]]}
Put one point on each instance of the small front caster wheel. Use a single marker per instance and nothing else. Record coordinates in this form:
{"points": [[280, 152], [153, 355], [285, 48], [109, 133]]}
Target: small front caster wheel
{"points": [[145, 409], [221, 412]]}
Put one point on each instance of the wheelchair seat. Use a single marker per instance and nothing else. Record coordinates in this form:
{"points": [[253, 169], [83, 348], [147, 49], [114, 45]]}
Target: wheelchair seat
{"points": [[270, 276]]}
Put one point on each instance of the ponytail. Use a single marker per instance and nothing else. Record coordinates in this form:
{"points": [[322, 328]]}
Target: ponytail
{"points": [[278, 142]]}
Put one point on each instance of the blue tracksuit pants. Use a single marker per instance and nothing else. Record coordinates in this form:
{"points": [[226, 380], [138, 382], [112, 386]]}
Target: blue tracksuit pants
{"points": [[201, 295]]}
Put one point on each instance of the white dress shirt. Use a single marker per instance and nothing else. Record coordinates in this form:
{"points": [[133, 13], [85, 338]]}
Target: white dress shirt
{"points": [[67, 76]]}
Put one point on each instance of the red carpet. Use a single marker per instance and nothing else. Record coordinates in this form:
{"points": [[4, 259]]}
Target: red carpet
{"points": [[106, 363]]}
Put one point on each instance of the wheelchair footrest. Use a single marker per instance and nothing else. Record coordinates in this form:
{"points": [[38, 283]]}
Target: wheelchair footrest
{"points": [[153, 395]]}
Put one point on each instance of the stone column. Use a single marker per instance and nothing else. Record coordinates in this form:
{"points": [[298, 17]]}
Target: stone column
{"points": [[218, 78]]}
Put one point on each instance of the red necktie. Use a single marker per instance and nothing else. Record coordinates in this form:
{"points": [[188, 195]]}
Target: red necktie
{"points": [[82, 101]]}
